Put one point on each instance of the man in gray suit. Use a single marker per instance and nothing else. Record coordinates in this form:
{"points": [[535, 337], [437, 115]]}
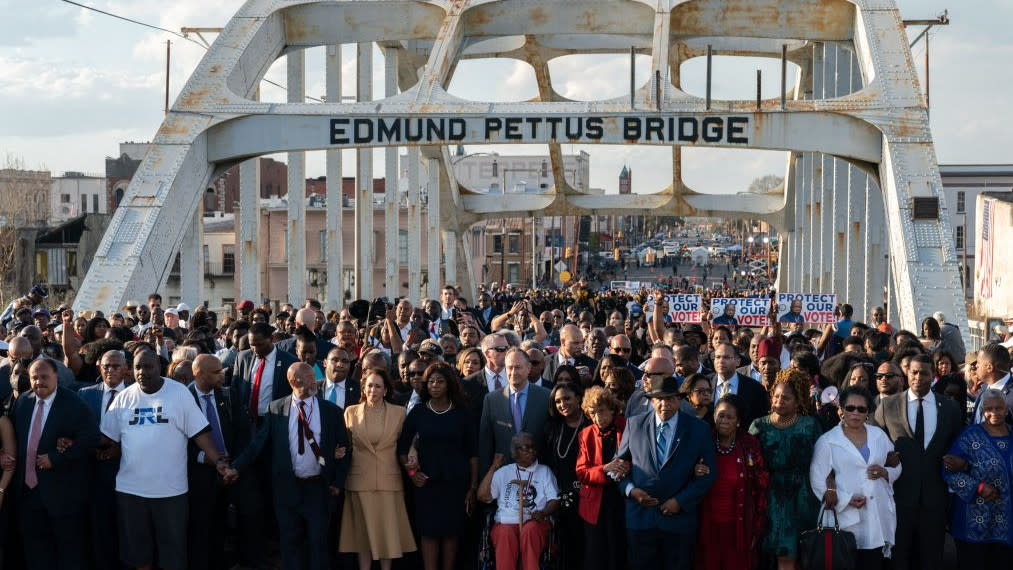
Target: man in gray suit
{"points": [[520, 406], [922, 427]]}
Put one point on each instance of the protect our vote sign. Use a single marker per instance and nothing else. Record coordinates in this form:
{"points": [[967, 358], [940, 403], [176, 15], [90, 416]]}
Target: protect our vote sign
{"points": [[682, 308], [739, 311], [808, 308]]}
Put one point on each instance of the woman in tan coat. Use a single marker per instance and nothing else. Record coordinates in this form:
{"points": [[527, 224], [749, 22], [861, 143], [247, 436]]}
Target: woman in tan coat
{"points": [[375, 522]]}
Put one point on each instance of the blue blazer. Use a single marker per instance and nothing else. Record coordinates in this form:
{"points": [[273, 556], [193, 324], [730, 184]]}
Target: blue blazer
{"points": [[692, 443]]}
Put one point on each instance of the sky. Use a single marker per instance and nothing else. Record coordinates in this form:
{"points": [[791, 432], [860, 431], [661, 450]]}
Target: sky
{"points": [[74, 84]]}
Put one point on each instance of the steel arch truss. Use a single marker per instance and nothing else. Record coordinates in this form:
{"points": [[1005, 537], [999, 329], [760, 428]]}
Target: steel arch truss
{"points": [[855, 126]]}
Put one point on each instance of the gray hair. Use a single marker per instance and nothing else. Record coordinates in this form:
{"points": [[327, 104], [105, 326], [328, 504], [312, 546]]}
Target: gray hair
{"points": [[513, 339], [992, 394], [521, 438], [532, 344], [489, 340], [181, 353]]}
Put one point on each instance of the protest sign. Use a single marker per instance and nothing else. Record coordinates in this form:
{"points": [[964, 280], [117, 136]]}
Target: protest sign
{"points": [[808, 308], [682, 308], [748, 312]]}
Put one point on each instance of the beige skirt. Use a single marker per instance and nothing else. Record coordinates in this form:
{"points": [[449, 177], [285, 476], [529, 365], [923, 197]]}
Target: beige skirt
{"points": [[376, 522]]}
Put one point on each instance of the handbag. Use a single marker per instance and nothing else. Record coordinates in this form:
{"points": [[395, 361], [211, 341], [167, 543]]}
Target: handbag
{"points": [[825, 548]]}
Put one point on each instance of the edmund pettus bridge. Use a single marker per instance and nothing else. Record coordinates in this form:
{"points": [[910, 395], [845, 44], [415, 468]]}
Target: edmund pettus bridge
{"points": [[861, 210]]}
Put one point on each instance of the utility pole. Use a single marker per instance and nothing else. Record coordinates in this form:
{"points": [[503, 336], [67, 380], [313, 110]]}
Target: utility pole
{"points": [[942, 20]]}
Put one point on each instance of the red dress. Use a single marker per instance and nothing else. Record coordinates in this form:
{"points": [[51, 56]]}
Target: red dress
{"points": [[732, 514]]}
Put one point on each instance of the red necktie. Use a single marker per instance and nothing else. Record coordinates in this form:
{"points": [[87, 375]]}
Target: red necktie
{"points": [[255, 392], [31, 477]]}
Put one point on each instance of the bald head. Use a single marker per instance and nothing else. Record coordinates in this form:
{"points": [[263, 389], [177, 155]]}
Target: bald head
{"points": [[571, 341], [208, 373], [302, 380], [20, 347], [307, 318], [34, 336]]}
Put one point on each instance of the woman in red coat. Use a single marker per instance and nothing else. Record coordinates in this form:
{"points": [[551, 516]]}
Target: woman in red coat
{"points": [[732, 513], [601, 502]]}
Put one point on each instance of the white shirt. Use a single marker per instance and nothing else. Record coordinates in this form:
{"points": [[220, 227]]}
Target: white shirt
{"points": [[563, 359], [153, 431], [413, 401], [338, 390], [507, 483], [928, 413], [304, 465], [47, 405], [979, 415], [732, 381], [266, 380], [490, 379], [105, 398]]}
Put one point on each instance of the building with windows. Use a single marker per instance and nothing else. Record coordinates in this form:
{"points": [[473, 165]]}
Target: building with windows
{"points": [[962, 183], [76, 194]]}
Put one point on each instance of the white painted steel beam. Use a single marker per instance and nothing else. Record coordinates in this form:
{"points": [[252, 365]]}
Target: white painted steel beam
{"points": [[191, 263], [296, 248], [335, 193], [364, 239], [391, 205], [433, 189], [248, 230], [414, 227]]}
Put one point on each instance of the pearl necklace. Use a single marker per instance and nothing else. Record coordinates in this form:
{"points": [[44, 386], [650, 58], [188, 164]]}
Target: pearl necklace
{"points": [[429, 405], [722, 450]]}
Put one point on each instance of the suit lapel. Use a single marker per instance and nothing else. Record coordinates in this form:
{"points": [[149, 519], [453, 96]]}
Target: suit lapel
{"points": [[902, 402], [680, 431], [324, 437]]}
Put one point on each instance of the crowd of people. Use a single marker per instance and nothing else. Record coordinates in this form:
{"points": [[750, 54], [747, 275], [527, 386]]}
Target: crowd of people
{"points": [[544, 428]]}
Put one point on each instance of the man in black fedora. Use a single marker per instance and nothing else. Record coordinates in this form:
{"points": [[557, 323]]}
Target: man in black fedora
{"points": [[660, 450]]}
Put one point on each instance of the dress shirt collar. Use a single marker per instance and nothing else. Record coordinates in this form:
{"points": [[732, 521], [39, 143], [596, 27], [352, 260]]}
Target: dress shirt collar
{"points": [[491, 376], [1001, 383], [672, 422], [48, 399], [201, 393], [927, 399], [106, 388], [308, 400], [523, 391]]}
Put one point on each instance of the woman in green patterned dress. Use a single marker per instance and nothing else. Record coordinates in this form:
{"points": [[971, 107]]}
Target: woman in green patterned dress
{"points": [[788, 437]]}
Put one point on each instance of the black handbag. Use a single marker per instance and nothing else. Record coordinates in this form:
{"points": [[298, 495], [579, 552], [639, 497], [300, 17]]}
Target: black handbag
{"points": [[825, 548]]}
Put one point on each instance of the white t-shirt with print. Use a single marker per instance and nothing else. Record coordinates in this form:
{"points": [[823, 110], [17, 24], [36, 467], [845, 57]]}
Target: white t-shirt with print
{"points": [[507, 483], [153, 431]]}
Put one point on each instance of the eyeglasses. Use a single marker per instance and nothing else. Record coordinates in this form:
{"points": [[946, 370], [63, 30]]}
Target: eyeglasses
{"points": [[703, 391], [499, 348], [858, 409], [620, 349], [655, 374]]}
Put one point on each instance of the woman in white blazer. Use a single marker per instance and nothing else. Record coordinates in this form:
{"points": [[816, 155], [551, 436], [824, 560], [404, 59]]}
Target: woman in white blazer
{"points": [[865, 466]]}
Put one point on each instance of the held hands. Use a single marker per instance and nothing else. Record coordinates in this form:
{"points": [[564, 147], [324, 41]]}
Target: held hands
{"points": [[670, 507], [641, 497], [7, 462], [618, 467], [334, 491], [340, 452], [876, 472], [857, 501], [989, 493], [954, 464], [419, 479], [893, 459], [701, 469], [538, 516], [43, 462]]}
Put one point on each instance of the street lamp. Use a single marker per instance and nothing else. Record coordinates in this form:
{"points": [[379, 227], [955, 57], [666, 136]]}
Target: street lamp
{"points": [[766, 242]]}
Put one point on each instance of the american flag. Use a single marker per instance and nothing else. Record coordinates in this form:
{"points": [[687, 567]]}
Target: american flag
{"points": [[985, 257]]}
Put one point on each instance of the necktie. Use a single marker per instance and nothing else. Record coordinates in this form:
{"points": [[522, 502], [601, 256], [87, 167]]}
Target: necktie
{"points": [[661, 445], [333, 396], [255, 392], [920, 425], [303, 428], [516, 409], [112, 396], [724, 388], [31, 477], [216, 428], [499, 383]]}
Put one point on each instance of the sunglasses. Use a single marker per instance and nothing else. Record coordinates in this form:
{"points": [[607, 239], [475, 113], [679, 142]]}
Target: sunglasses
{"points": [[886, 375], [858, 409], [417, 373], [499, 348]]}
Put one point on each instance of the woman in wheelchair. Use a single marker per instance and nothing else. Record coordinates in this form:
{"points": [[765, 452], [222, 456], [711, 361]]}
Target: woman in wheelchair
{"points": [[526, 495]]}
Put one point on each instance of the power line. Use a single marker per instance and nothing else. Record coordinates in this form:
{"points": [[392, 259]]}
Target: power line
{"points": [[177, 34]]}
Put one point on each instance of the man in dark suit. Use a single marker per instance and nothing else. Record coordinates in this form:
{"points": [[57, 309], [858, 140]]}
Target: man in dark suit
{"points": [[105, 464], [14, 371], [488, 379], [728, 381], [660, 450], [209, 499], [687, 361], [261, 371], [922, 427], [52, 486], [520, 406], [304, 469], [337, 388], [994, 371], [571, 351]]}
